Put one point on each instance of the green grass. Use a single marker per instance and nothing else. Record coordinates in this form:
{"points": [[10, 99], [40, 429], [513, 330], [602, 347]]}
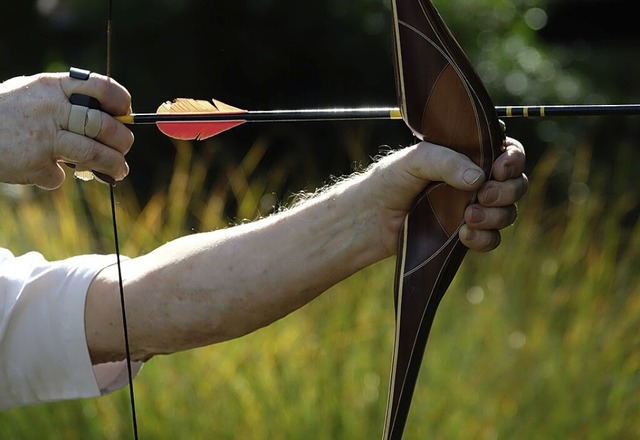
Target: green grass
{"points": [[538, 339]]}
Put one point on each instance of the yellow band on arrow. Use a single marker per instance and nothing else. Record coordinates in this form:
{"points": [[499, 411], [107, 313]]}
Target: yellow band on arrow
{"points": [[126, 119]]}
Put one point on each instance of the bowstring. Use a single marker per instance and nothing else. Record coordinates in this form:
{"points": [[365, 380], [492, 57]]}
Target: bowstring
{"points": [[125, 327]]}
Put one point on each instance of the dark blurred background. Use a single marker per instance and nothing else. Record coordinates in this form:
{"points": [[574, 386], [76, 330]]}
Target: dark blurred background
{"points": [[276, 54]]}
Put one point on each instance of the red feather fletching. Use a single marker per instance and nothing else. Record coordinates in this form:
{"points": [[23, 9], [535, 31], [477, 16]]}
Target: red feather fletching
{"points": [[197, 130]]}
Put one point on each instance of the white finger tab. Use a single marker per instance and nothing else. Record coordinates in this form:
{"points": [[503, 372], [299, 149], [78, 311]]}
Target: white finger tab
{"points": [[93, 123], [77, 119]]}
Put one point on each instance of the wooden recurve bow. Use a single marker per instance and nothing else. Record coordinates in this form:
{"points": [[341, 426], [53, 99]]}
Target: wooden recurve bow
{"points": [[443, 101]]}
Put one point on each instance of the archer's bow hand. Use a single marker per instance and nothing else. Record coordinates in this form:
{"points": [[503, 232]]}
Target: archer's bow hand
{"points": [[496, 207], [398, 178], [34, 129]]}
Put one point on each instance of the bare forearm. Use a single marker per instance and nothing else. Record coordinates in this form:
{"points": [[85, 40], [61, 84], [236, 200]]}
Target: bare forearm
{"points": [[210, 287], [207, 288]]}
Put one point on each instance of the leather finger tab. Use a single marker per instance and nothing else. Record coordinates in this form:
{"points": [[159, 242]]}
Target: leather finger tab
{"points": [[84, 100]]}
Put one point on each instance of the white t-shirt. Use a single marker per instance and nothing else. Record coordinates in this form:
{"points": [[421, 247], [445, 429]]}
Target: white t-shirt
{"points": [[43, 349]]}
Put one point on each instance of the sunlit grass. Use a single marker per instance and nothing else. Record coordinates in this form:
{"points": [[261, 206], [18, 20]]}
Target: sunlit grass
{"points": [[539, 339]]}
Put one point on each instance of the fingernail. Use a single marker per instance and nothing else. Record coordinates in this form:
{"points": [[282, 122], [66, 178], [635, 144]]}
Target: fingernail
{"points": [[471, 176], [490, 196], [477, 215]]}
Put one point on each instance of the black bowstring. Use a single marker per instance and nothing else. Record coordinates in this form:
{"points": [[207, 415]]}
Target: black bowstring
{"points": [[132, 398], [117, 250]]}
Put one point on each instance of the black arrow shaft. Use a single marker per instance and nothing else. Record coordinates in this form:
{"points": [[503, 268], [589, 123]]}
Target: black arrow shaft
{"points": [[352, 114]]}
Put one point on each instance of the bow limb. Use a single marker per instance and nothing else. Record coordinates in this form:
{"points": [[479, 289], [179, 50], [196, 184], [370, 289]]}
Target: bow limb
{"points": [[443, 101]]}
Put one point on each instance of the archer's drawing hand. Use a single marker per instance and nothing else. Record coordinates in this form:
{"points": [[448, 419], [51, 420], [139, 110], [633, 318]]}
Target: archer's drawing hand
{"points": [[34, 129], [403, 175]]}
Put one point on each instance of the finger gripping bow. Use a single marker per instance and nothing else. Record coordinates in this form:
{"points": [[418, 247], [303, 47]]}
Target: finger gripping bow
{"points": [[443, 101]]}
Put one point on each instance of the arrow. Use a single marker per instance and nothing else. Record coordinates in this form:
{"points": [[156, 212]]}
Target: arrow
{"points": [[191, 119]]}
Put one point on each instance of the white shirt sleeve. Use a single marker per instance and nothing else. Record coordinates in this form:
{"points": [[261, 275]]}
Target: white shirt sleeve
{"points": [[43, 350]]}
